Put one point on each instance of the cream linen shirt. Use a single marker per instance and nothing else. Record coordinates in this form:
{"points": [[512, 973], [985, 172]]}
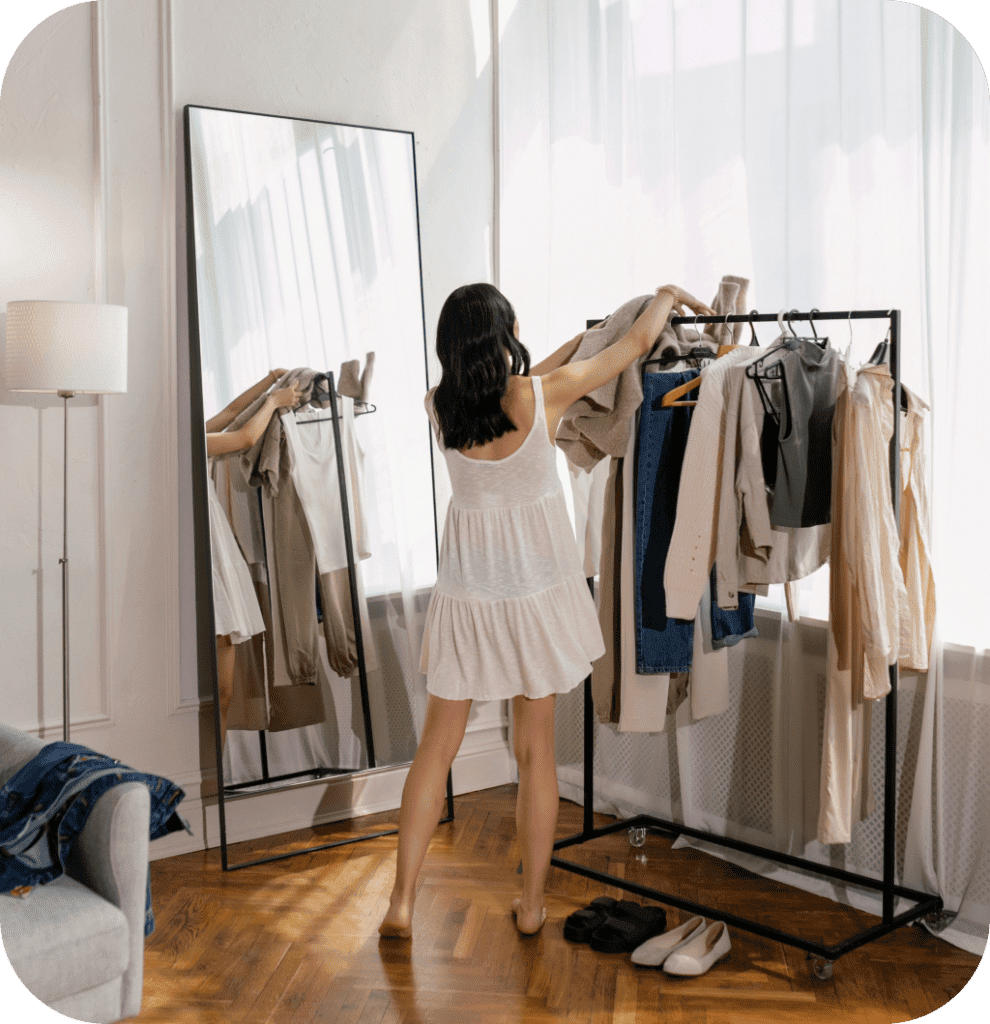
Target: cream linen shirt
{"points": [[872, 613], [870, 544], [692, 545], [918, 616]]}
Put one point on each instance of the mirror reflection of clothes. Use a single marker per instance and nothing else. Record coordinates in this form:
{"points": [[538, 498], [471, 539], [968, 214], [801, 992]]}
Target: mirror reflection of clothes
{"points": [[249, 706], [294, 694], [236, 610], [312, 458], [295, 667], [309, 438], [291, 667]]}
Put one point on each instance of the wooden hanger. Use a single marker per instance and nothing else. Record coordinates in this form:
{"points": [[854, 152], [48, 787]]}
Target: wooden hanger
{"points": [[669, 400]]}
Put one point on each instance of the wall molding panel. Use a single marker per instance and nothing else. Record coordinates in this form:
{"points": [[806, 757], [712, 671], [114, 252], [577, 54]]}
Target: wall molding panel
{"points": [[169, 350]]}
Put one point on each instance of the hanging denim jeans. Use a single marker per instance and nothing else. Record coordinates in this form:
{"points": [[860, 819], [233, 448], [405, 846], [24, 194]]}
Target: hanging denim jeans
{"points": [[729, 627], [665, 644]]}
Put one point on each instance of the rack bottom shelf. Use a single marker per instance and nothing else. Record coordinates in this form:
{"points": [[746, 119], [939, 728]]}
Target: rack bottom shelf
{"points": [[925, 903]]}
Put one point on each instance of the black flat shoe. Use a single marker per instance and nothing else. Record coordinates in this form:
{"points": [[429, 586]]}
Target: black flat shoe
{"points": [[627, 926], [579, 926]]}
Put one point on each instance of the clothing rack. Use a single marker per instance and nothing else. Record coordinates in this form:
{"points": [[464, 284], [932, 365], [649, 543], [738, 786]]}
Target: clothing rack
{"points": [[639, 825], [314, 774]]}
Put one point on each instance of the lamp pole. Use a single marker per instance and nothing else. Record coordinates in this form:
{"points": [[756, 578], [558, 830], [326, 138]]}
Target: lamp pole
{"points": [[65, 396], [68, 348]]}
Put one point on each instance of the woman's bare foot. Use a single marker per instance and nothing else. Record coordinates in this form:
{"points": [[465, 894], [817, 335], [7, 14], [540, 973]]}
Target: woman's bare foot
{"points": [[529, 922], [397, 923]]}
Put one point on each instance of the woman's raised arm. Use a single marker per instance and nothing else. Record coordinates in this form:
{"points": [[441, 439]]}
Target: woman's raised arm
{"points": [[571, 381], [227, 416], [243, 438]]}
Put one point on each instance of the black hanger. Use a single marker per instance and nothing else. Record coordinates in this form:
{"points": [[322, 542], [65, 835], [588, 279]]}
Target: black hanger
{"points": [[752, 328], [880, 353], [324, 419], [648, 361], [755, 368], [822, 342]]}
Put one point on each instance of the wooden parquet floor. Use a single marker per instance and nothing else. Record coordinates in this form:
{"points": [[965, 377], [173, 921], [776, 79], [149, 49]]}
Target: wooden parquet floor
{"points": [[296, 940]]}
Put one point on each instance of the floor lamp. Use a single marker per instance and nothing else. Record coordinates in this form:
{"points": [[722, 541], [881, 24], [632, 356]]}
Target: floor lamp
{"points": [[68, 348]]}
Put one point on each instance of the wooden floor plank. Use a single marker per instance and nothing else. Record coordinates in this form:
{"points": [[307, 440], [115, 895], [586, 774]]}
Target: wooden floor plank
{"points": [[296, 940]]}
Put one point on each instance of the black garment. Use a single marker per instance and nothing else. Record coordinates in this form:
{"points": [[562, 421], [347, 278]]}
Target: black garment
{"points": [[796, 442]]}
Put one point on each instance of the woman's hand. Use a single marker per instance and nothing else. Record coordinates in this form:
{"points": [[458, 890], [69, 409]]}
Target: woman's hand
{"points": [[275, 375], [682, 298], [285, 398]]}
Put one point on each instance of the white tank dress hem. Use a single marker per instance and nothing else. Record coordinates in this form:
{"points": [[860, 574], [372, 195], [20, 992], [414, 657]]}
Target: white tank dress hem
{"points": [[511, 613]]}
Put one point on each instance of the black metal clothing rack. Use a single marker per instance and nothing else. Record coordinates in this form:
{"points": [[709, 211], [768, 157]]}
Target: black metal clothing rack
{"points": [[926, 905], [320, 772]]}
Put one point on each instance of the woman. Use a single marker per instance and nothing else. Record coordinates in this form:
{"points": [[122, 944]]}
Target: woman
{"points": [[511, 615]]}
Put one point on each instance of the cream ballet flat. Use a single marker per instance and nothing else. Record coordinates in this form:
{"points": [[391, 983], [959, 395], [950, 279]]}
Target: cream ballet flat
{"points": [[653, 952], [696, 956]]}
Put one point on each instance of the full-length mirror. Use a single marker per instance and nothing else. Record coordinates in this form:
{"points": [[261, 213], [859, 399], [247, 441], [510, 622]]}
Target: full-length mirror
{"points": [[305, 275]]}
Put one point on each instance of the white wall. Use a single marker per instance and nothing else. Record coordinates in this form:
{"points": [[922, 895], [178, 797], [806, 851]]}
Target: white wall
{"points": [[91, 146], [47, 251]]}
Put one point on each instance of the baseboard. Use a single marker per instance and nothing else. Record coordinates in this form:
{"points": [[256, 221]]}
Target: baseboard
{"points": [[484, 761]]}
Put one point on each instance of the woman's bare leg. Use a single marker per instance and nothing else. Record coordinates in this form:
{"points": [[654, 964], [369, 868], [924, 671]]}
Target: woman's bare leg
{"points": [[536, 803], [422, 801], [225, 682]]}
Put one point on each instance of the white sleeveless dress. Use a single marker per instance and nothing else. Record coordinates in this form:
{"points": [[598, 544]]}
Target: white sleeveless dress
{"points": [[236, 611], [511, 612]]}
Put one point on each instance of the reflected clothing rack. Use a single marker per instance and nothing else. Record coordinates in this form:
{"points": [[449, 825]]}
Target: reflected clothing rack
{"points": [[926, 905], [320, 772]]}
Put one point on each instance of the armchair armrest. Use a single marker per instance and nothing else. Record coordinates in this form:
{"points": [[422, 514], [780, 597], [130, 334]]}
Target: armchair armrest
{"points": [[110, 856]]}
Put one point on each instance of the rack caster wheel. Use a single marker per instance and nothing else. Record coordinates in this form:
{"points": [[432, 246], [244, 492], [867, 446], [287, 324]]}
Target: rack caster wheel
{"points": [[822, 968], [637, 837], [938, 921]]}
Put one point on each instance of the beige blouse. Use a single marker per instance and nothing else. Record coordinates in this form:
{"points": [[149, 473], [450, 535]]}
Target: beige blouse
{"points": [[918, 618], [882, 591]]}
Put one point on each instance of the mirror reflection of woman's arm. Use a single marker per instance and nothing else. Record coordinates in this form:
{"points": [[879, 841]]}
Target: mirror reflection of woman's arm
{"points": [[243, 438], [226, 416]]}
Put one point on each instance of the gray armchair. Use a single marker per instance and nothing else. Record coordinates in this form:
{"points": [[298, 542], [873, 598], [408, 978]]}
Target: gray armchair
{"points": [[77, 943]]}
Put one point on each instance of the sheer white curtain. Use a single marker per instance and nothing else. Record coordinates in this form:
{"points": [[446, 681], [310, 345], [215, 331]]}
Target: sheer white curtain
{"points": [[307, 255], [835, 153]]}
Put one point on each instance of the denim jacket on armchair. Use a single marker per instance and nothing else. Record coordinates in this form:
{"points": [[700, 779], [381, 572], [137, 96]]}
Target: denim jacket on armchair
{"points": [[44, 806]]}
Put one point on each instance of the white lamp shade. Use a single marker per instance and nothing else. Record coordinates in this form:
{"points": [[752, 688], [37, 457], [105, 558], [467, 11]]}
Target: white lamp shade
{"points": [[66, 346]]}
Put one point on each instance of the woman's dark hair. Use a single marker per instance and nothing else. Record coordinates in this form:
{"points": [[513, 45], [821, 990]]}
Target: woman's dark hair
{"points": [[474, 330]]}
